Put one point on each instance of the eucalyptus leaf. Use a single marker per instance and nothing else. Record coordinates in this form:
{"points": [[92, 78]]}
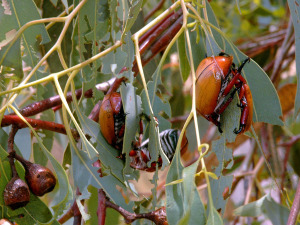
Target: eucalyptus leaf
{"points": [[214, 218], [295, 14], [277, 213], [185, 68], [133, 12], [174, 193], [217, 188], [132, 109]]}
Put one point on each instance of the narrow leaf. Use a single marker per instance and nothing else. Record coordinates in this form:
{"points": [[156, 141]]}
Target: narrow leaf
{"points": [[294, 6]]}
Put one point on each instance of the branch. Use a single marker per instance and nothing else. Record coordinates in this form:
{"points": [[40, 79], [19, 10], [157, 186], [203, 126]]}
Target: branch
{"points": [[158, 216], [39, 124], [155, 9], [101, 211], [295, 207]]}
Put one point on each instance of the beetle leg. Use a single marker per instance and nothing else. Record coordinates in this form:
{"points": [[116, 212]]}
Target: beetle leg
{"points": [[245, 111], [237, 80], [214, 119], [223, 105]]}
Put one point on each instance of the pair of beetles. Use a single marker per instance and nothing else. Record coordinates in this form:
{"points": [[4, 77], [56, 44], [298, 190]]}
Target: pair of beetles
{"points": [[217, 82]]}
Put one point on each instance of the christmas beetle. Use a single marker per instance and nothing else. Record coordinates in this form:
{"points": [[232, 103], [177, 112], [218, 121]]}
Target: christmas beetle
{"points": [[140, 157], [217, 81], [112, 119]]}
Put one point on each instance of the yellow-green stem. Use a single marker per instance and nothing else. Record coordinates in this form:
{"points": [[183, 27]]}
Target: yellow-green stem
{"points": [[185, 14]]}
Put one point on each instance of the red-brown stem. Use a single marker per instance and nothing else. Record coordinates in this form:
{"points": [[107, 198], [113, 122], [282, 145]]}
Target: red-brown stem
{"points": [[39, 124], [77, 214], [72, 212], [295, 207], [285, 161], [101, 211], [115, 85], [94, 115], [24, 162], [290, 142], [162, 42], [68, 215], [10, 149], [156, 8], [55, 101], [11, 138], [151, 30], [144, 45], [226, 192], [157, 216], [45, 104]]}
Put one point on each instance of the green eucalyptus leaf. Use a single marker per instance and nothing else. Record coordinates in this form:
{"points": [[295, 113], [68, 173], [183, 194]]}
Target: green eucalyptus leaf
{"points": [[295, 14], [217, 188], [13, 18], [223, 153], [214, 218], [185, 68], [266, 105], [174, 193], [277, 213], [133, 12], [132, 109], [213, 20], [193, 206], [12, 58]]}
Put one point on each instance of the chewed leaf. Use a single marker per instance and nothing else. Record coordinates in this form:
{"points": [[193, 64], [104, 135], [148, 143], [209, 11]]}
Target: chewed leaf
{"points": [[132, 15]]}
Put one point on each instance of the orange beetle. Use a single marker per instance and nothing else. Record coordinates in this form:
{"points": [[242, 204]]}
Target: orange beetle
{"points": [[112, 119], [215, 78]]}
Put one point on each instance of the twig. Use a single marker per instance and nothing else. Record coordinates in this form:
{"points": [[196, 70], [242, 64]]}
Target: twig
{"points": [[101, 211], [77, 214], [11, 138], [255, 171], [158, 216], [290, 142], [10, 149], [68, 215], [282, 51], [295, 207], [72, 212], [94, 115], [39, 124], [156, 8], [54, 101]]}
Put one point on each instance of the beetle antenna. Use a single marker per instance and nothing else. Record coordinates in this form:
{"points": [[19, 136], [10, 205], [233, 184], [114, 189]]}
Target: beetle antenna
{"points": [[243, 64]]}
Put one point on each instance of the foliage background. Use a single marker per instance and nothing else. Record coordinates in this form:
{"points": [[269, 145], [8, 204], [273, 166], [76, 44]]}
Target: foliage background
{"points": [[55, 55]]}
